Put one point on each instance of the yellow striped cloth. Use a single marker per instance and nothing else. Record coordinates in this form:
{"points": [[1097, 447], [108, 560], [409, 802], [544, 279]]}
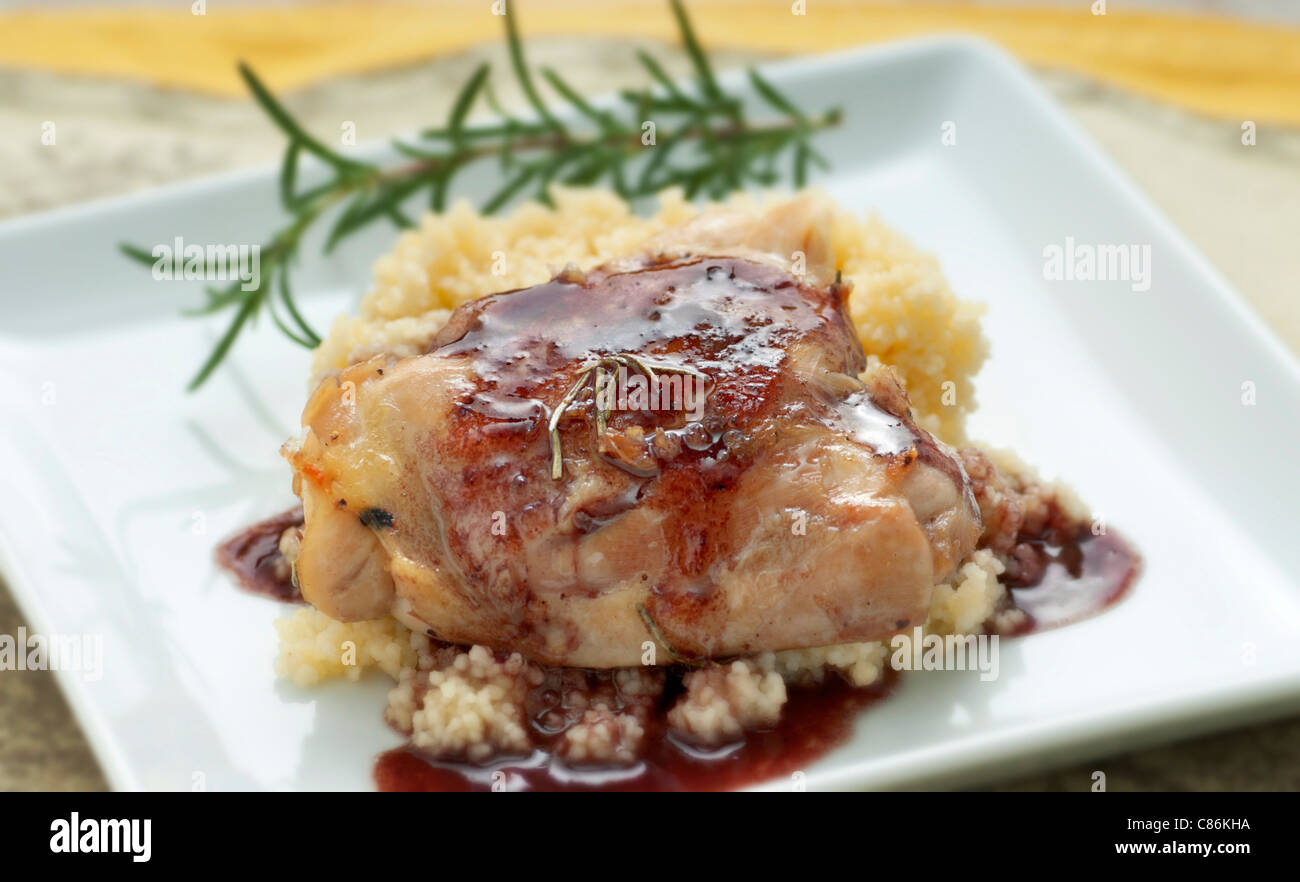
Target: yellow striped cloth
{"points": [[1221, 67]]}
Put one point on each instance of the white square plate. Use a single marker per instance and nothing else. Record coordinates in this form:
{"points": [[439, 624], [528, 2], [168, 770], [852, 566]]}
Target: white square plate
{"points": [[117, 484]]}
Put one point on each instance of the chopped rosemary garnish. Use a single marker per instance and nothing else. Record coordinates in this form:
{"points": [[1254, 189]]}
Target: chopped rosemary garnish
{"points": [[534, 153], [653, 627], [603, 410]]}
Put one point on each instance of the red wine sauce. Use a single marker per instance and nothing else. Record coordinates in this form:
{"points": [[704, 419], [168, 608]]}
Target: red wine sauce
{"points": [[253, 556], [1082, 578], [814, 720]]}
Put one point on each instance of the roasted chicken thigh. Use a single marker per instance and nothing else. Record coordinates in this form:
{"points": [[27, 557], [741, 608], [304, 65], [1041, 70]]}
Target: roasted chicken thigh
{"points": [[674, 449]]}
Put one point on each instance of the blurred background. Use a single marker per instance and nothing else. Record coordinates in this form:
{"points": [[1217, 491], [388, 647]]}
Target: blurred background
{"points": [[1198, 100]]}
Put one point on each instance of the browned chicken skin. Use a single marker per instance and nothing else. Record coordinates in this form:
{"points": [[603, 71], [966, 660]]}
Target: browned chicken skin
{"points": [[796, 506]]}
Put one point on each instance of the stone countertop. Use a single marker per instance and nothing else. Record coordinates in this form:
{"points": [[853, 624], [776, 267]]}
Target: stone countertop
{"points": [[1240, 205]]}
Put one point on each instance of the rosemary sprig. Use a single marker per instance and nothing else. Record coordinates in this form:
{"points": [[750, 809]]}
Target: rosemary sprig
{"points": [[534, 153]]}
